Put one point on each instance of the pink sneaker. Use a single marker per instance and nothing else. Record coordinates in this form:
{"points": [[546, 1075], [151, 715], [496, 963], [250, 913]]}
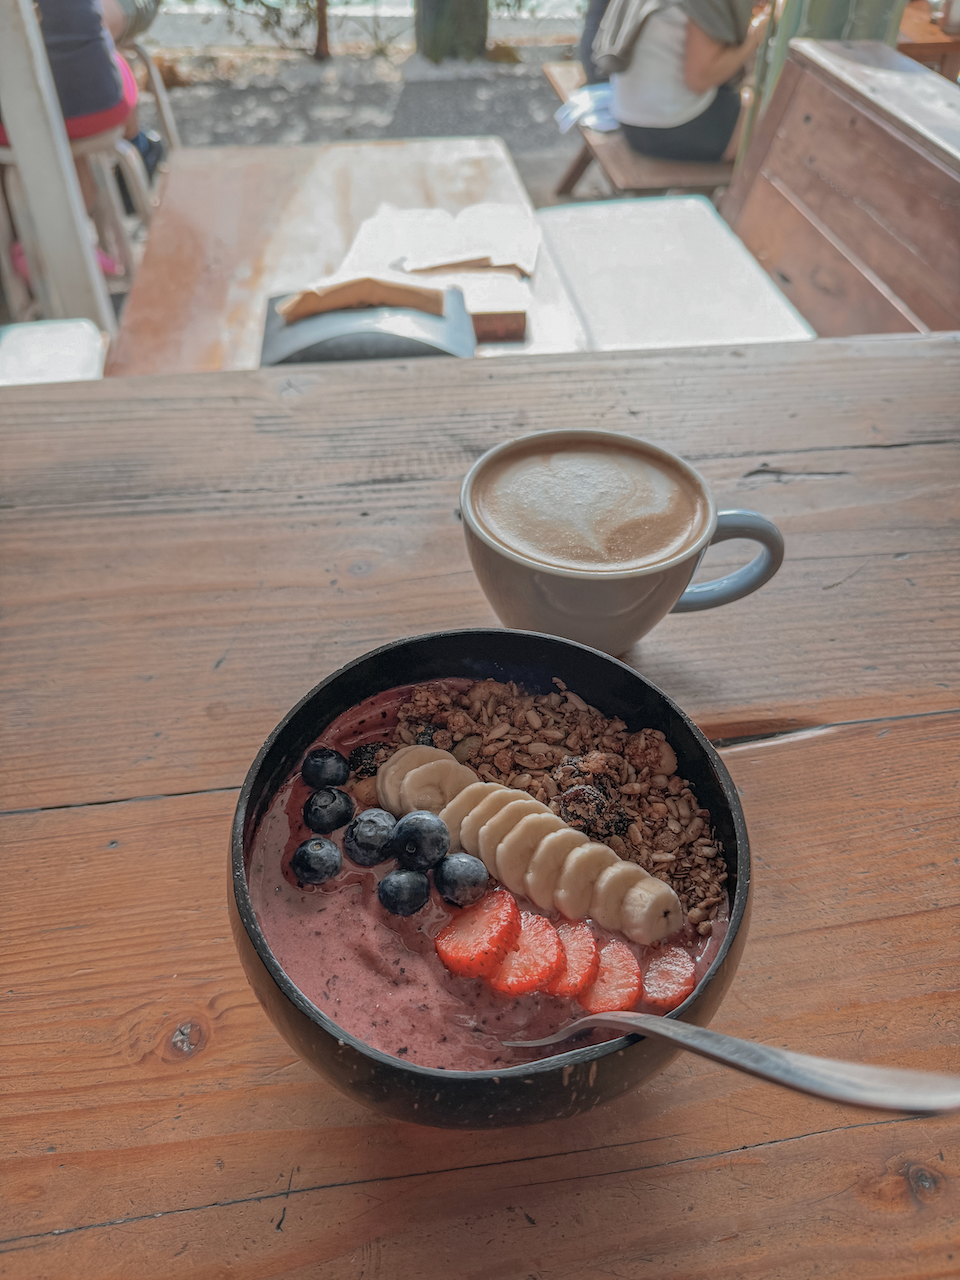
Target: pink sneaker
{"points": [[18, 260]]}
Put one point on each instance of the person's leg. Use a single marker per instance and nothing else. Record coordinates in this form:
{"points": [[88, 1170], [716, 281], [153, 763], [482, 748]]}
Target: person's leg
{"points": [[88, 186]]}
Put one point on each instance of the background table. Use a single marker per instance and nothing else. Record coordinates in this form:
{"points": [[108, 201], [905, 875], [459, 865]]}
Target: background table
{"points": [[664, 272], [239, 225], [925, 42], [183, 557]]}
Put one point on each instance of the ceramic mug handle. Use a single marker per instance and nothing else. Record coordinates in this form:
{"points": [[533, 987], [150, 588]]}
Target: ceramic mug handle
{"points": [[734, 586]]}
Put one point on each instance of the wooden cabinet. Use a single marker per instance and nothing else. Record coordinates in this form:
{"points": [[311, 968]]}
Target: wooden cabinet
{"points": [[849, 195]]}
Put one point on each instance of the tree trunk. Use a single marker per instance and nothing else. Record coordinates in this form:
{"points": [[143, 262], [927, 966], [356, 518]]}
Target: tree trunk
{"points": [[451, 29], [322, 51]]}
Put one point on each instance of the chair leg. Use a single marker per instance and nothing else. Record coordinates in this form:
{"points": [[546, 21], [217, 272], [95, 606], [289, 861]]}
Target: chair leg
{"points": [[135, 174], [19, 302], [167, 122], [108, 212], [575, 172], [23, 224]]}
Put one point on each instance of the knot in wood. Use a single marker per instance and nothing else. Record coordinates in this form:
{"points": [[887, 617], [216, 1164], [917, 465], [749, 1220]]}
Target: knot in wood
{"points": [[924, 1183]]}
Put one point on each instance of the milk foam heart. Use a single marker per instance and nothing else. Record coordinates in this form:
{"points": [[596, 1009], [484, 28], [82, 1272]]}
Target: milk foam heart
{"points": [[589, 504]]}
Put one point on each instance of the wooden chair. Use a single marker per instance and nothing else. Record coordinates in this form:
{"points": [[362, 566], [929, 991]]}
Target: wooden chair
{"points": [[627, 172]]}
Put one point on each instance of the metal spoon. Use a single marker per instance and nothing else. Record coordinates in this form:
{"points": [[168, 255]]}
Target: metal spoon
{"points": [[887, 1088]]}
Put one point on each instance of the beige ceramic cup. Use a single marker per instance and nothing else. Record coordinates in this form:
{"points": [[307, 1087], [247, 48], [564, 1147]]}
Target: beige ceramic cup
{"points": [[609, 608]]}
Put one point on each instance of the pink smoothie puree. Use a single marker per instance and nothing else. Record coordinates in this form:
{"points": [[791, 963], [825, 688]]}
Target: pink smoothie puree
{"points": [[377, 975]]}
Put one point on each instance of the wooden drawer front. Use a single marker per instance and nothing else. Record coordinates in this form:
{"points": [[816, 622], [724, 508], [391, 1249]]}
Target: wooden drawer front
{"points": [[897, 209], [827, 289]]}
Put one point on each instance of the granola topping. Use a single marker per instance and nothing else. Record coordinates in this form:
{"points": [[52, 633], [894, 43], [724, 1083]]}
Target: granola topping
{"points": [[621, 788]]}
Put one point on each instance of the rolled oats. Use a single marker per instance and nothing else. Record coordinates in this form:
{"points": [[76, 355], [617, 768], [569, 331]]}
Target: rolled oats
{"points": [[621, 788]]}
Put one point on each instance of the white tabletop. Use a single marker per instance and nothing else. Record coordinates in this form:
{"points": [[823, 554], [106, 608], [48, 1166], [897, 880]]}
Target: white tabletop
{"points": [[664, 272]]}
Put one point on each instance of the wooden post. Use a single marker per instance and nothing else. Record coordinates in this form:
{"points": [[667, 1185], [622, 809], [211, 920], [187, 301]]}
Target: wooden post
{"points": [[451, 29], [322, 49], [34, 126]]}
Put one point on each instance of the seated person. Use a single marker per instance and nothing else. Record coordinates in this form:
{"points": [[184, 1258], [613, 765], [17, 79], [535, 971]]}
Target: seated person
{"points": [[95, 86], [678, 99]]}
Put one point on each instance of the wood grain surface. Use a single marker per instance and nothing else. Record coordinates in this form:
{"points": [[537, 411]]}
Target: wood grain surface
{"points": [[156, 1124], [184, 557], [847, 195]]}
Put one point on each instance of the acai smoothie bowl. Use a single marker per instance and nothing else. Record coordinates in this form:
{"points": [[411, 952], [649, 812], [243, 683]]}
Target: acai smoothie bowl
{"points": [[476, 837]]}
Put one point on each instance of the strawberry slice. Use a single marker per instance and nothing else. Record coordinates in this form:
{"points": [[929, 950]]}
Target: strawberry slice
{"points": [[618, 983], [669, 979], [535, 962], [583, 959], [478, 938]]}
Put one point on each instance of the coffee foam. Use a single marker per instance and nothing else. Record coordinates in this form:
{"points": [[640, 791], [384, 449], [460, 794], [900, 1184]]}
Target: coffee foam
{"points": [[589, 505]]}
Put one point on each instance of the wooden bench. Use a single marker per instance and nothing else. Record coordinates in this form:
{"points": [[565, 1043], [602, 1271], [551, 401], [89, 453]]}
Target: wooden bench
{"points": [[849, 194], [628, 172]]}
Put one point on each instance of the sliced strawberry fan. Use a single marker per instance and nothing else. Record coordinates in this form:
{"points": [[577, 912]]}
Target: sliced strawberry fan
{"points": [[477, 940], [535, 961]]}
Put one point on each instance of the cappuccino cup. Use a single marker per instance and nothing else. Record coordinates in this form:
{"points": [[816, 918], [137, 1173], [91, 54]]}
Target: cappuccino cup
{"points": [[595, 536]]}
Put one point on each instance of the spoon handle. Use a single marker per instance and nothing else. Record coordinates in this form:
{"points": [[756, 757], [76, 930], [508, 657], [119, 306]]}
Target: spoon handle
{"points": [[887, 1088]]}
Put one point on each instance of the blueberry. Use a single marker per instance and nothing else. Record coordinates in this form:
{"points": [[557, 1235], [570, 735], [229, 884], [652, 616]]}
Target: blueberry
{"points": [[403, 892], [324, 767], [315, 861], [365, 760], [327, 809], [461, 879], [419, 840], [366, 836]]}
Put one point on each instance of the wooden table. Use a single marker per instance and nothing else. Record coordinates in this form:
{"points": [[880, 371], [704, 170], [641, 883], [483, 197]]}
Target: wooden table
{"points": [[239, 225], [925, 42], [185, 556]]}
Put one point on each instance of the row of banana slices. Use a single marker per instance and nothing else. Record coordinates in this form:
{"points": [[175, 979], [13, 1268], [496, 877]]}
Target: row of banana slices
{"points": [[528, 848]]}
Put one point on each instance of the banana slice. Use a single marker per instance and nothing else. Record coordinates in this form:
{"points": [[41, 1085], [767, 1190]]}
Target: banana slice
{"points": [[454, 813], [481, 813], [551, 853], [650, 911], [502, 822], [434, 784], [578, 876], [516, 849], [609, 891], [391, 774]]}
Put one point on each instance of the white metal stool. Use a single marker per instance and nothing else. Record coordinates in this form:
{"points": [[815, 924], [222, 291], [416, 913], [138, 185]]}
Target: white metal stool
{"points": [[104, 153], [168, 125]]}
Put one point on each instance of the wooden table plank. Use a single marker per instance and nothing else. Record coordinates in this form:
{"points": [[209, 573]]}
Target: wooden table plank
{"points": [[201, 551], [233, 1158]]}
